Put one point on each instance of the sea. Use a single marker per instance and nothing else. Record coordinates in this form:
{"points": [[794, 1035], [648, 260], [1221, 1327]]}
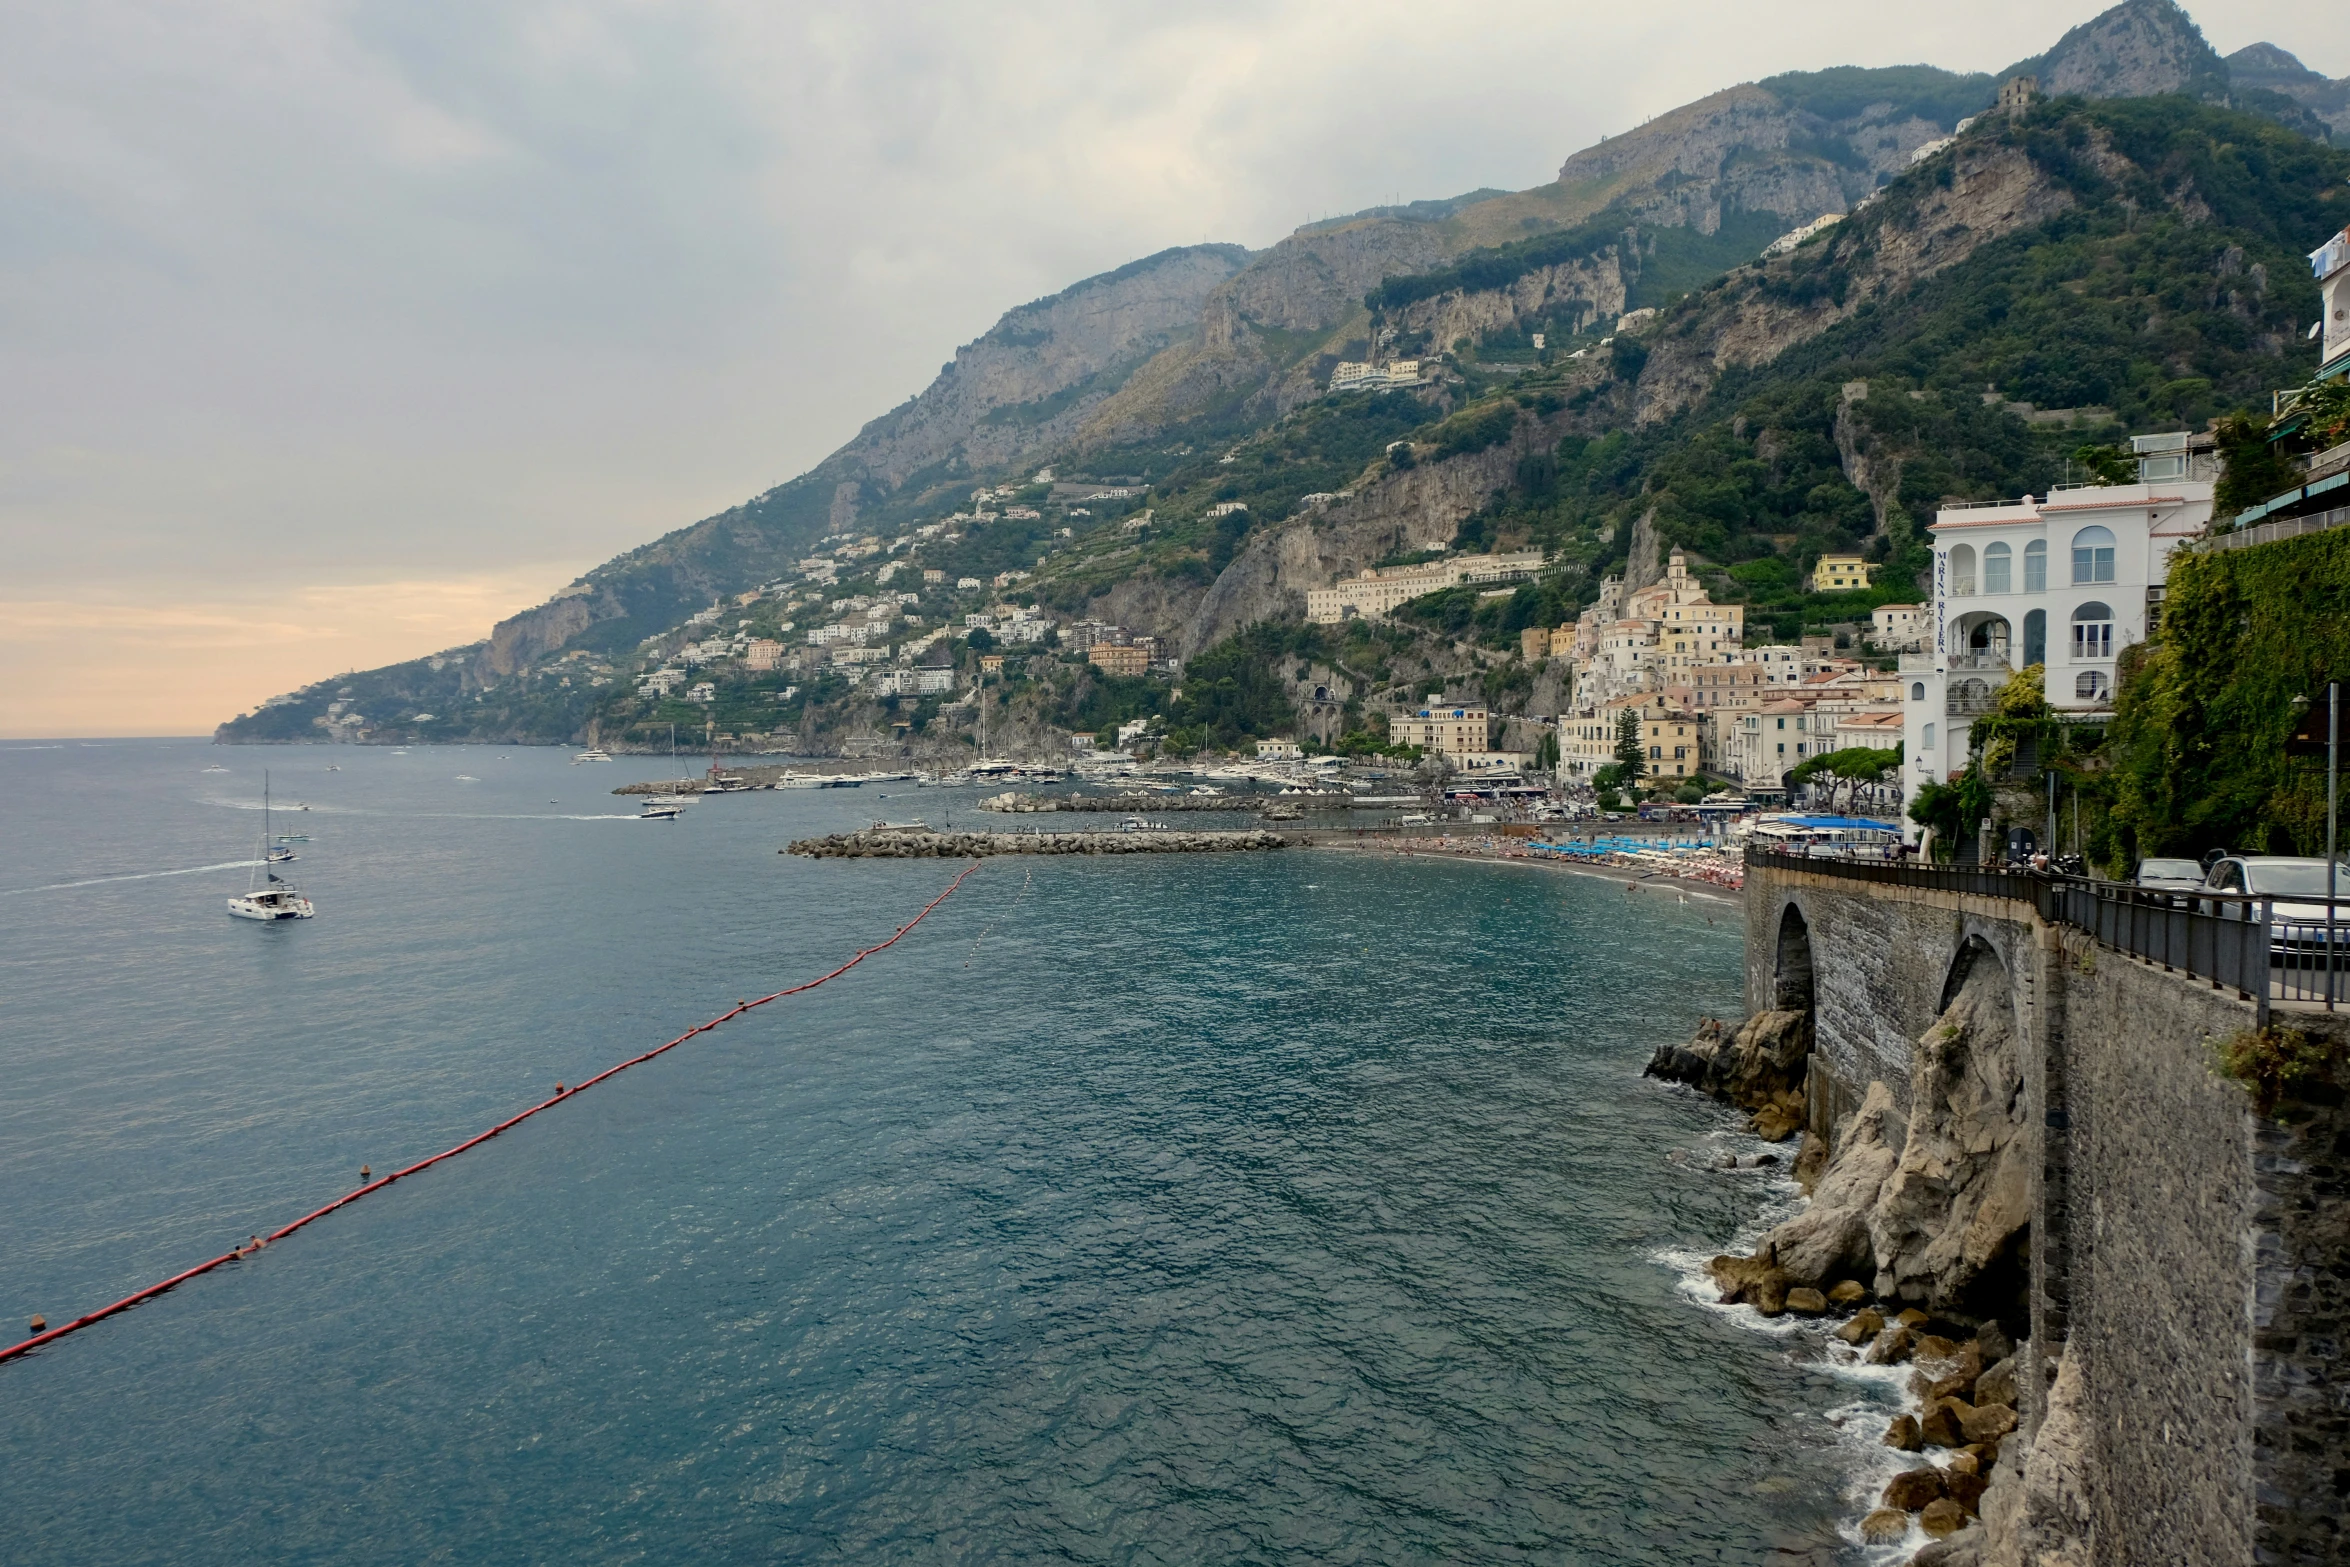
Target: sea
{"points": [[1303, 1207]]}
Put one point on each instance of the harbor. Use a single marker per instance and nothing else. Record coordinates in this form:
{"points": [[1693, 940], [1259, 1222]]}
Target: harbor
{"points": [[916, 842]]}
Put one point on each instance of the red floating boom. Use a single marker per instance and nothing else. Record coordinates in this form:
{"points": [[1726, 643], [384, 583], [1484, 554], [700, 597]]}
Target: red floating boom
{"points": [[740, 1007]]}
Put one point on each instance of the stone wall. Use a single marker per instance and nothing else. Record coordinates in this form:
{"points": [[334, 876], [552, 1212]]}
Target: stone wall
{"points": [[2190, 1259], [2160, 1265]]}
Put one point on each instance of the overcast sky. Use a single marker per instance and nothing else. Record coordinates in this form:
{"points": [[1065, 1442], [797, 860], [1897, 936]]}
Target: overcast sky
{"points": [[330, 333]]}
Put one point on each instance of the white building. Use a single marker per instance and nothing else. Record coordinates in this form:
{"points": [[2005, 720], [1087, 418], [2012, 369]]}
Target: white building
{"points": [[1900, 628], [1355, 376], [2330, 265], [2066, 582], [1377, 591]]}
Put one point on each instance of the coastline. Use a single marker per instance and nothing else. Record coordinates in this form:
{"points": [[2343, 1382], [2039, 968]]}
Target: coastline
{"points": [[1490, 853]]}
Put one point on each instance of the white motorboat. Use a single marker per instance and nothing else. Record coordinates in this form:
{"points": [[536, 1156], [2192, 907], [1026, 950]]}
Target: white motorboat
{"points": [[661, 811], [273, 899], [279, 854], [591, 755], [216, 768]]}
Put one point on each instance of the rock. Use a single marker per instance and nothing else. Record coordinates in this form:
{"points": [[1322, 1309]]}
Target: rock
{"points": [[1963, 1549], [1885, 1525], [1944, 1517], [1932, 1349], [1830, 1238], [1692, 1062], [1743, 1278], [1913, 1319], [1902, 1435], [1941, 1423], [1985, 1454], [1849, 1292], [1862, 1327], [1768, 1295], [1964, 1462], [1983, 1422], [1805, 1302], [1811, 1162], [1994, 1343], [1775, 1123], [2056, 1471], [1966, 1489], [1997, 1385], [1912, 1489], [1891, 1347], [1955, 1208]]}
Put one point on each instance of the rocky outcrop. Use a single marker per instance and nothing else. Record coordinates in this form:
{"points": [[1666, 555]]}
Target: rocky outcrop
{"points": [[1762, 311], [1029, 381], [2266, 68], [1395, 510], [1572, 294], [1751, 1067], [1830, 1239], [1949, 1223], [2135, 50]]}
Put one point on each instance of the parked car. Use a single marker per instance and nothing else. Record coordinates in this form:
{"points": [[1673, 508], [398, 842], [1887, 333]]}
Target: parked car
{"points": [[2169, 875], [2296, 928]]}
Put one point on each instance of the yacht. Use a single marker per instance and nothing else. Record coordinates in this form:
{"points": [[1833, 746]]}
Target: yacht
{"points": [[591, 755], [216, 768], [661, 808], [273, 899], [278, 854]]}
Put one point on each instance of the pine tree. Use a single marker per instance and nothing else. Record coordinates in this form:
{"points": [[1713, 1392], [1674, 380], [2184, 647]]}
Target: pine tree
{"points": [[1628, 752]]}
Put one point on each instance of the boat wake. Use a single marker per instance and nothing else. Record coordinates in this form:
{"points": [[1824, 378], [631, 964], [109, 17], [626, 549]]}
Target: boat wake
{"points": [[100, 881]]}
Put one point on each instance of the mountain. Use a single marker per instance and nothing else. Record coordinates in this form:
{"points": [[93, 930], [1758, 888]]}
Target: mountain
{"points": [[1200, 372], [2266, 68]]}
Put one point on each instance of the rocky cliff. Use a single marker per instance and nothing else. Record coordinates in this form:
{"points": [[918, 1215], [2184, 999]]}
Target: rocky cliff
{"points": [[2135, 50]]}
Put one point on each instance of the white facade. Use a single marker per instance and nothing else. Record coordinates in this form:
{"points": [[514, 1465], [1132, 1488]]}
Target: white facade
{"points": [[2064, 582], [2330, 264]]}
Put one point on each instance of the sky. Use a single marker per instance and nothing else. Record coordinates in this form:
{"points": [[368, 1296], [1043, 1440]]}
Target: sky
{"points": [[331, 333]]}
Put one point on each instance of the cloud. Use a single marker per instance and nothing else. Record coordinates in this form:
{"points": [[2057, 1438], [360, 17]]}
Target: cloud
{"points": [[313, 291]]}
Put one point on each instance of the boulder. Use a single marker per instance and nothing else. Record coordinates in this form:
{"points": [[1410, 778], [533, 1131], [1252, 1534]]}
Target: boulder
{"points": [[1862, 1327], [1994, 1343], [1965, 1462], [1805, 1302], [1997, 1385], [1966, 1489], [1775, 1123], [1691, 1063], [1884, 1526], [1902, 1435], [1891, 1347], [1932, 1349], [1830, 1238], [1912, 1489], [1984, 1422], [1942, 1424], [1958, 1199], [1848, 1292], [1912, 1319], [1985, 1455], [1811, 1162], [1941, 1518]]}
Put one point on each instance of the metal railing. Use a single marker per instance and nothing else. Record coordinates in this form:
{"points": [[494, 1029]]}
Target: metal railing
{"points": [[2233, 940], [2270, 532]]}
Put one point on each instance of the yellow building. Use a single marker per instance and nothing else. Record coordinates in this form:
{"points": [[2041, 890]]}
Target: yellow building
{"points": [[1839, 574]]}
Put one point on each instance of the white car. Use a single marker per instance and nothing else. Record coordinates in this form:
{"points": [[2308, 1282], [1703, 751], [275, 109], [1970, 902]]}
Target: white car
{"points": [[2296, 928]]}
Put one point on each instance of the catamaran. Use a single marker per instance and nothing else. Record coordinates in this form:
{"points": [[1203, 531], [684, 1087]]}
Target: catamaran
{"points": [[275, 899]]}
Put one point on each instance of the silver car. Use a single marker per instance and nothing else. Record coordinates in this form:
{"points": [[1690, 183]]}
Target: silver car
{"points": [[2169, 875], [2297, 928]]}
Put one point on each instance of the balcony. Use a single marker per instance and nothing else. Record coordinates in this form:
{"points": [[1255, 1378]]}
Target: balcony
{"points": [[1992, 659], [1969, 698]]}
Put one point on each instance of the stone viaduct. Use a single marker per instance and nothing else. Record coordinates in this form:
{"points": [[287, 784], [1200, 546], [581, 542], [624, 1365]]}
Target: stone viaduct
{"points": [[2193, 1253]]}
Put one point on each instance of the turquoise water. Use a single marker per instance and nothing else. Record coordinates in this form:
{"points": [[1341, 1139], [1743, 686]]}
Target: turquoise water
{"points": [[1280, 1208]]}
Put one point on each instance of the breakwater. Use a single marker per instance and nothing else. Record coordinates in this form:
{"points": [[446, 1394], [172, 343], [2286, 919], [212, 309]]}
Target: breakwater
{"points": [[1038, 804], [900, 844]]}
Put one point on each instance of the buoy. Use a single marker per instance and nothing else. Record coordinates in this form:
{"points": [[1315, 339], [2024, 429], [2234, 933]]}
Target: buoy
{"points": [[40, 1325], [365, 1173], [558, 1088]]}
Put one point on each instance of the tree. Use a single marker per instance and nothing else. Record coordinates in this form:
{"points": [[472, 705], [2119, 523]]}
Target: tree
{"points": [[1629, 755], [1546, 754], [1845, 771], [2253, 469], [2107, 464]]}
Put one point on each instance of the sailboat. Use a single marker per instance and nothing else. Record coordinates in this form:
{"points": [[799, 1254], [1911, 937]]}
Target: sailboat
{"points": [[275, 899]]}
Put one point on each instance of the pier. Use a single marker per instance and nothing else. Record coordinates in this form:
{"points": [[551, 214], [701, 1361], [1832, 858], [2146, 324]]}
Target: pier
{"points": [[897, 843]]}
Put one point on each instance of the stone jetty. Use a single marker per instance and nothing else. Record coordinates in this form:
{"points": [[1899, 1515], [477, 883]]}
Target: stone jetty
{"points": [[1132, 804], [920, 844]]}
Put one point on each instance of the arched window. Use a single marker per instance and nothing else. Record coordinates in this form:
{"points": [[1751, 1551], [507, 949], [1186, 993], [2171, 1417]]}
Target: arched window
{"points": [[2036, 623], [2093, 555], [1929, 745], [2092, 632], [2036, 566], [1997, 559], [1917, 690], [1962, 571], [2089, 685]]}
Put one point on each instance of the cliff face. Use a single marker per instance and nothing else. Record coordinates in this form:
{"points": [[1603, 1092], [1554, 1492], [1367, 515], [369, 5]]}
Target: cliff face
{"points": [[2135, 50], [1582, 291], [1030, 381], [2266, 68], [1761, 312]]}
